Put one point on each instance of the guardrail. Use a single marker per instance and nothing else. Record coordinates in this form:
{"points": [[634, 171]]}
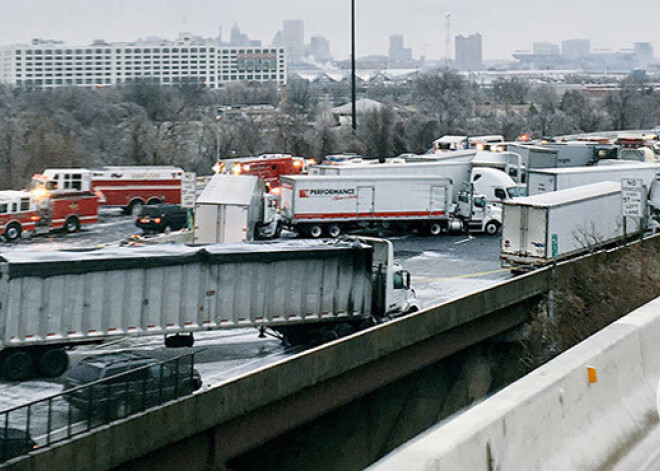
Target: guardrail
{"points": [[80, 409]]}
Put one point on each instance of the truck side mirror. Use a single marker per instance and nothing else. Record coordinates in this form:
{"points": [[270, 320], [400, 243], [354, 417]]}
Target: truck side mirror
{"points": [[407, 278]]}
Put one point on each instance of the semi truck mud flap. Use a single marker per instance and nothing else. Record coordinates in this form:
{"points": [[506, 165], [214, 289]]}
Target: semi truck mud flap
{"points": [[379, 290]]}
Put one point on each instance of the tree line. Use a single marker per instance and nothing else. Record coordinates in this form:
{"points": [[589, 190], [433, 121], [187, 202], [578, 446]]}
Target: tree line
{"points": [[146, 124]]}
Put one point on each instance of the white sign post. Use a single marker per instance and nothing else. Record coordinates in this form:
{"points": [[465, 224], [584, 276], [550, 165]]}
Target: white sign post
{"points": [[632, 197], [188, 195], [632, 201], [188, 190]]}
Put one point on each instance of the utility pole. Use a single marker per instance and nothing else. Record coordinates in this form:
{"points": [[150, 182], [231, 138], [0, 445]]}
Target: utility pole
{"points": [[353, 92]]}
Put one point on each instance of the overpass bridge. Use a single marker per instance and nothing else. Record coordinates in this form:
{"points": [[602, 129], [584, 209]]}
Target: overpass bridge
{"points": [[350, 394], [209, 429]]}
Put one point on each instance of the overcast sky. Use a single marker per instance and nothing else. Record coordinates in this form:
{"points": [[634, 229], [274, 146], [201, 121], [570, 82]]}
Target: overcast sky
{"points": [[506, 25]]}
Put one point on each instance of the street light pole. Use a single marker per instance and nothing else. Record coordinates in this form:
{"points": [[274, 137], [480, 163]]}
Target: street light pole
{"points": [[354, 106]]}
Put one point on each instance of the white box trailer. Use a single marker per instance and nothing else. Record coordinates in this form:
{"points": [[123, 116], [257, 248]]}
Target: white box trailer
{"points": [[227, 209], [50, 300], [318, 205], [554, 179], [457, 172], [538, 229]]}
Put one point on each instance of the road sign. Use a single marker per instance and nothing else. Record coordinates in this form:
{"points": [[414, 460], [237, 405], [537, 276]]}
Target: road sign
{"points": [[555, 245], [188, 180], [632, 197]]}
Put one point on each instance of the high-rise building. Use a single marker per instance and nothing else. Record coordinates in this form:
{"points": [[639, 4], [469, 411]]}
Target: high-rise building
{"points": [[545, 49], [293, 38], [319, 48], [236, 38], [398, 56], [189, 59], [468, 52], [643, 54], [574, 49]]}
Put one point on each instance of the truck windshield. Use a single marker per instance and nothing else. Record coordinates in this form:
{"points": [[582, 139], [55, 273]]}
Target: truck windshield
{"points": [[515, 192]]}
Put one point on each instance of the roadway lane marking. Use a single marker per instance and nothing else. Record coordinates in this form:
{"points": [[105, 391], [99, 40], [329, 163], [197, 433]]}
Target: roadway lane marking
{"points": [[469, 275]]}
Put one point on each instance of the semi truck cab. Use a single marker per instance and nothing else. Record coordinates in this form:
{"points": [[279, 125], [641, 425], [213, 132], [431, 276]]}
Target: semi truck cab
{"points": [[392, 293], [477, 214]]}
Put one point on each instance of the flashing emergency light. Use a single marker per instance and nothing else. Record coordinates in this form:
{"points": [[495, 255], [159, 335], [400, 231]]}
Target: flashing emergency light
{"points": [[40, 192]]}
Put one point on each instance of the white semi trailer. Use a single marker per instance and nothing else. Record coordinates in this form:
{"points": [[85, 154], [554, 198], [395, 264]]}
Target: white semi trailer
{"points": [[317, 206], [303, 290], [553, 226], [488, 180], [554, 179], [235, 208]]}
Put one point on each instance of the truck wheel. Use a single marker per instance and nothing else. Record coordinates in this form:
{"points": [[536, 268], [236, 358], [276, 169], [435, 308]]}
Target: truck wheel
{"points": [[315, 231], [334, 231], [344, 329], [434, 229], [153, 201], [492, 228], [13, 231], [17, 366], [72, 224], [53, 363], [278, 230], [134, 208]]}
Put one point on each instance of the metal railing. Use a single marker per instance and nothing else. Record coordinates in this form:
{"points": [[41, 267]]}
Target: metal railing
{"points": [[82, 408]]}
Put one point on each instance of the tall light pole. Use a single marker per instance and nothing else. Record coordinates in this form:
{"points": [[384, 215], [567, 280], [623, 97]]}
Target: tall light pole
{"points": [[353, 104]]}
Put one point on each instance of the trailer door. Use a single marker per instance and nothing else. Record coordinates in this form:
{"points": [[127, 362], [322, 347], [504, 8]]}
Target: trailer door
{"points": [[365, 200], [439, 198], [234, 224], [536, 224]]}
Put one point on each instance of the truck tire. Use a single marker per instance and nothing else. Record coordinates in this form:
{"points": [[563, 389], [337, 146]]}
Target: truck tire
{"points": [[17, 365], [53, 363], [13, 231], [154, 201], [434, 228], [134, 207], [344, 329], [179, 341], [492, 228], [72, 224], [334, 230], [315, 231]]}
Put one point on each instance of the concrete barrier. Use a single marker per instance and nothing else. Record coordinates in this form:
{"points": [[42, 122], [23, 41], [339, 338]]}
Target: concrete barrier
{"points": [[554, 418]]}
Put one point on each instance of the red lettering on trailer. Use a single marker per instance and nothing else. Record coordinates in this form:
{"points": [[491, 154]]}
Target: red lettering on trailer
{"points": [[382, 214]]}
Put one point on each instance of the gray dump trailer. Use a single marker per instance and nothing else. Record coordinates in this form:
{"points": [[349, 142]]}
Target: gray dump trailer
{"points": [[301, 289]]}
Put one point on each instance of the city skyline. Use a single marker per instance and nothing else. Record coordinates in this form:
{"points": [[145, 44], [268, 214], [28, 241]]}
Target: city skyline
{"points": [[511, 27]]}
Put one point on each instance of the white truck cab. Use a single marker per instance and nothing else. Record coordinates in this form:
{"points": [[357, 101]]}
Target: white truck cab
{"points": [[478, 214], [494, 184], [392, 289]]}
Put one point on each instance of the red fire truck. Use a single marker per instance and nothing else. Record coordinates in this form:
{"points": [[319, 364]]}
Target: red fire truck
{"points": [[267, 167], [17, 214], [126, 187], [41, 211], [67, 207]]}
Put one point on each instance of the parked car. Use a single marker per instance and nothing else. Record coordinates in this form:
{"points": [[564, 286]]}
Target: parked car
{"points": [[162, 218], [15, 442], [133, 382]]}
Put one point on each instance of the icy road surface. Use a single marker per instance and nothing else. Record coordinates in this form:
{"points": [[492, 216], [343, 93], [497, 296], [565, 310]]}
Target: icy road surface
{"points": [[442, 268]]}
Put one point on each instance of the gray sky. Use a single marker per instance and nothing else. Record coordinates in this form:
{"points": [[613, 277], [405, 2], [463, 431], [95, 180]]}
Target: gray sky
{"points": [[506, 25]]}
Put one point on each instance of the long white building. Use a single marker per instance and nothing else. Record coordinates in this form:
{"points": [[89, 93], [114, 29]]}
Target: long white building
{"points": [[51, 64]]}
